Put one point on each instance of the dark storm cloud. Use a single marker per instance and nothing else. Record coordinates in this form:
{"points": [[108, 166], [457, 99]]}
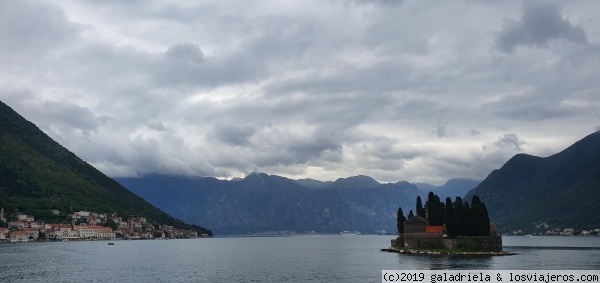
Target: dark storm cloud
{"points": [[530, 107], [541, 22], [232, 134], [308, 145]]}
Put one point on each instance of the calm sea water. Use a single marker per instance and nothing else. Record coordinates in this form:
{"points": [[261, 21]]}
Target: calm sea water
{"points": [[343, 258]]}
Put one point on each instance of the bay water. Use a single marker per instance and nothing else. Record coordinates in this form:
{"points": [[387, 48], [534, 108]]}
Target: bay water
{"points": [[317, 258]]}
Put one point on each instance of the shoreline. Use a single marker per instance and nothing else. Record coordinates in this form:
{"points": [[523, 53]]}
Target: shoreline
{"points": [[446, 252]]}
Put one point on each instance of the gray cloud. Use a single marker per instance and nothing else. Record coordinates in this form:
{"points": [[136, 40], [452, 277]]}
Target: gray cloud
{"points": [[233, 134], [540, 23], [29, 27], [510, 141], [322, 90]]}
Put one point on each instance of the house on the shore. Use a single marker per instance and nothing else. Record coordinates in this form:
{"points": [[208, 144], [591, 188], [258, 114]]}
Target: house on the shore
{"points": [[60, 231], [95, 232], [3, 233], [418, 233], [19, 236]]}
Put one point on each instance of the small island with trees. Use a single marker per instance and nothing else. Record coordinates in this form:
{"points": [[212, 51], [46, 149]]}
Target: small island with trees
{"points": [[447, 228]]}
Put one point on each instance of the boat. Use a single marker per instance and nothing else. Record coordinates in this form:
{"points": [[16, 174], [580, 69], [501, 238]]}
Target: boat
{"points": [[111, 244]]}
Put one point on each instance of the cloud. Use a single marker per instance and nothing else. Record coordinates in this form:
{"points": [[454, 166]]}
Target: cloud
{"points": [[510, 141], [33, 27], [232, 134], [541, 23], [398, 90]]}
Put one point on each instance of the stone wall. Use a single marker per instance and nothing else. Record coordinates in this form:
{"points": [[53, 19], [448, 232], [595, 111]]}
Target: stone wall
{"points": [[479, 243], [469, 243], [423, 240]]}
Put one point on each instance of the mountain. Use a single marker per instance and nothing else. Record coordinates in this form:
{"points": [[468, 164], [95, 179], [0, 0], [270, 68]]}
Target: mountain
{"points": [[261, 202], [312, 183], [453, 188], [37, 174], [562, 190]]}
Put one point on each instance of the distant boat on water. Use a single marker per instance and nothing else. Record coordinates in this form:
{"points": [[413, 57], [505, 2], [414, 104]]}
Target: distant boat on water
{"points": [[350, 233], [111, 244]]}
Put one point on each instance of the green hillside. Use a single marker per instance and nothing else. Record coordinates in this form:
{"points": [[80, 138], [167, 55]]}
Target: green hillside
{"points": [[37, 174], [562, 190]]}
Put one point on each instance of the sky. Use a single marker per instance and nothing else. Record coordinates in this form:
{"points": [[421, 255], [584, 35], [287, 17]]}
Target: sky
{"points": [[415, 90]]}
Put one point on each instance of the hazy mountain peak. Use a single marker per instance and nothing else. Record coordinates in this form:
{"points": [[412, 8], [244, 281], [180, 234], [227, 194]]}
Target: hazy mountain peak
{"points": [[560, 189], [360, 181], [312, 183]]}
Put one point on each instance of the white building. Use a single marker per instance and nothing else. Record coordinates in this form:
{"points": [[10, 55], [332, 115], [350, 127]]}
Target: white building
{"points": [[95, 232], [87, 232], [3, 233], [19, 236]]}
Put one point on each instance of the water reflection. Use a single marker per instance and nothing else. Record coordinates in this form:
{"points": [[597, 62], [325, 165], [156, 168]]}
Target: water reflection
{"points": [[444, 262]]}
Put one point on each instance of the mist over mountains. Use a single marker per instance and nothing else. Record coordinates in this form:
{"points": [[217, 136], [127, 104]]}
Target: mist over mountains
{"points": [[561, 190], [38, 175]]}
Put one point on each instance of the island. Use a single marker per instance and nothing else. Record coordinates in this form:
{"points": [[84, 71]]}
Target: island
{"points": [[456, 228]]}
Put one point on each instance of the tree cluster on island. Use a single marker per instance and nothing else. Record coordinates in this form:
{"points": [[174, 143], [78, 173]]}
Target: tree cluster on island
{"points": [[459, 217]]}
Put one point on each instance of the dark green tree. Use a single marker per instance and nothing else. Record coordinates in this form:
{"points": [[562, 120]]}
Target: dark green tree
{"points": [[449, 218], [420, 209], [478, 222], [411, 214], [110, 223], [400, 219], [435, 210], [465, 224], [430, 208], [479, 217], [458, 204]]}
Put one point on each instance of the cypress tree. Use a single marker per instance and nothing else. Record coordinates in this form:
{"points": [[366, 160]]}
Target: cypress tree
{"points": [[449, 218], [400, 219], [478, 225], [466, 219], [439, 211], [458, 204], [435, 210], [430, 205], [420, 209], [482, 218], [411, 214]]}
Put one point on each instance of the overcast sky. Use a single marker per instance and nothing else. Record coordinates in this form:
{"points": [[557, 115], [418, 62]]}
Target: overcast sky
{"points": [[416, 90]]}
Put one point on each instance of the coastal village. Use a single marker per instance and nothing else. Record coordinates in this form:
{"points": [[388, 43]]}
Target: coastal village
{"points": [[544, 229], [86, 225]]}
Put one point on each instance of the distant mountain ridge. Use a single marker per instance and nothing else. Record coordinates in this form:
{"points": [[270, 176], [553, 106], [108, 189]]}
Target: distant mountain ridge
{"points": [[262, 202], [562, 190], [37, 175], [457, 187]]}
